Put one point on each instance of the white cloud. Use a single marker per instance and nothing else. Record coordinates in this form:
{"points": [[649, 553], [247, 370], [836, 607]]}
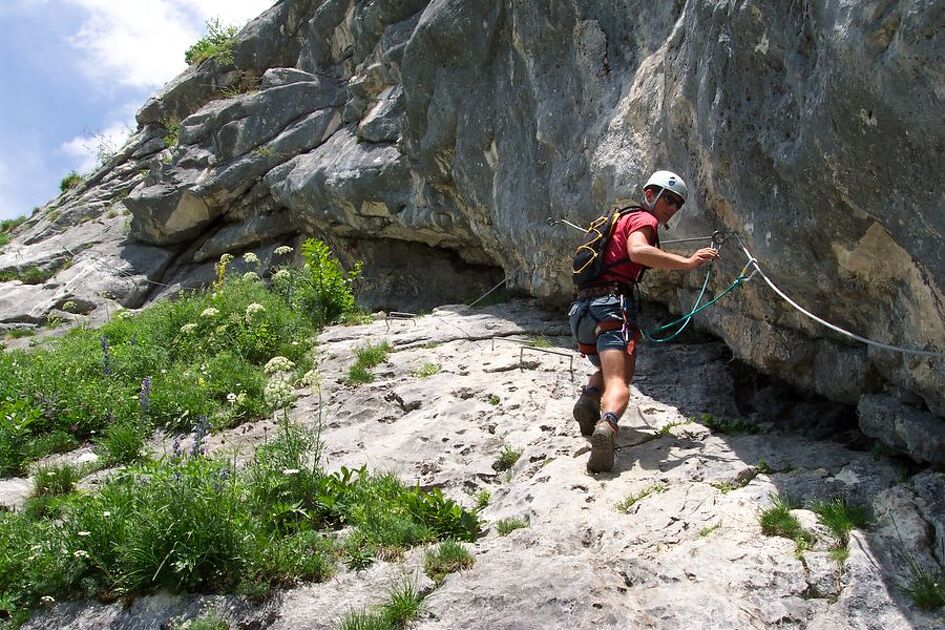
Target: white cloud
{"points": [[142, 43], [87, 151]]}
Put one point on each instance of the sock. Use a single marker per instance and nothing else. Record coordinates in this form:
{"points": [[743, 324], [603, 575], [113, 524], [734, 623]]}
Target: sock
{"points": [[610, 417], [593, 392]]}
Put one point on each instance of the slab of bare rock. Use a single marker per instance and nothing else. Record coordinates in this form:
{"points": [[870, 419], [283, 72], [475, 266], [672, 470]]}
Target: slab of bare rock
{"points": [[918, 433]]}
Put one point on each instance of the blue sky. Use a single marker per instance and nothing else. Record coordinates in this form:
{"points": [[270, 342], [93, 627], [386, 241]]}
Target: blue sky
{"points": [[74, 73]]}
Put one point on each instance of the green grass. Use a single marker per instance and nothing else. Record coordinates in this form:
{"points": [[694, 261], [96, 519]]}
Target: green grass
{"points": [[367, 358], [841, 517], [925, 588], [203, 353], [507, 458], [725, 425], [56, 479], [426, 370], [667, 429], [404, 604], [777, 520], [482, 499], [210, 621], [191, 523], [449, 557], [705, 531], [506, 526], [538, 341], [493, 400], [633, 499]]}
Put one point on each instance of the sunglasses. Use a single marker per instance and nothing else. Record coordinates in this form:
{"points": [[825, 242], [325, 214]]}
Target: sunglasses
{"points": [[673, 199]]}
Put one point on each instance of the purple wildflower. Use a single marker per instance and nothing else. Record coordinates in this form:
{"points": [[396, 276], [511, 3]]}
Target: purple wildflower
{"points": [[144, 398], [200, 432], [176, 450], [106, 360]]}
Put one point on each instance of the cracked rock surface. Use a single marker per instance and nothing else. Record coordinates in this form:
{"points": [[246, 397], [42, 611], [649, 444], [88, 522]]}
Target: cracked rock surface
{"points": [[688, 553]]}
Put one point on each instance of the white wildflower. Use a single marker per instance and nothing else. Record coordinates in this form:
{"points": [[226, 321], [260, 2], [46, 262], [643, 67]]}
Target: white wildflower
{"points": [[311, 379], [210, 312], [278, 364], [283, 250], [226, 259], [290, 471], [279, 393], [281, 276], [231, 398], [254, 309], [80, 553], [250, 276], [83, 534], [122, 314], [106, 513], [47, 599], [188, 328], [250, 258]]}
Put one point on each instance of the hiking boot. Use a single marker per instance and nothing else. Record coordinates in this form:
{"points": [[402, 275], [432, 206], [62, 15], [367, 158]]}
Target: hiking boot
{"points": [[587, 413], [603, 441]]}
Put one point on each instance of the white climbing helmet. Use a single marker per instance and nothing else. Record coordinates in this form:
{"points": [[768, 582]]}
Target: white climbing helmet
{"points": [[670, 181]]}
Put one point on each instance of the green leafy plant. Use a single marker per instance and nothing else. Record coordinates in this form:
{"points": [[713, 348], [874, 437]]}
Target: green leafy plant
{"points": [[493, 399], [122, 442], [777, 520], [448, 557], [506, 526], [172, 132], [482, 499], [71, 180], [508, 456], [705, 531], [217, 43], [633, 499], [538, 341]]}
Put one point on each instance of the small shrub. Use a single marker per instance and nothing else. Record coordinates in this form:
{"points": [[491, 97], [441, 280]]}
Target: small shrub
{"points": [[210, 621], [218, 42], [633, 499], [506, 526], [172, 133], [448, 557], [538, 341], [482, 499], [68, 182], [507, 458], [493, 399], [841, 517]]}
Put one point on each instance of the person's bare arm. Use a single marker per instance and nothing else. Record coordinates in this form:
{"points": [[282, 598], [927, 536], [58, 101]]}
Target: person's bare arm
{"points": [[641, 252]]}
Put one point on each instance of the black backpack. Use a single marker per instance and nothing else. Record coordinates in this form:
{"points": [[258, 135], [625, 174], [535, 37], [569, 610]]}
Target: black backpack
{"points": [[588, 263]]}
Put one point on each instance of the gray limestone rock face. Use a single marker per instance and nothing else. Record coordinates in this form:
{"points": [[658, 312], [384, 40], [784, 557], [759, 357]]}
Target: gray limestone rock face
{"points": [[903, 428]]}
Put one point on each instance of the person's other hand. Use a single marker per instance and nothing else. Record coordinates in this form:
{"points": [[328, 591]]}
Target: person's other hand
{"points": [[703, 256]]}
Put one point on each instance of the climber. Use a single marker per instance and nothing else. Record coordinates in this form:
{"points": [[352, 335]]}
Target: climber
{"points": [[603, 316]]}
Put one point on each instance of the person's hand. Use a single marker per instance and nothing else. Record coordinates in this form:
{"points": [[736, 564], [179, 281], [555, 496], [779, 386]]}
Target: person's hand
{"points": [[703, 256]]}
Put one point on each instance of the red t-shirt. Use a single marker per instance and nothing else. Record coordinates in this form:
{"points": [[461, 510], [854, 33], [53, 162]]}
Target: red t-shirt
{"points": [[626, 271]]}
